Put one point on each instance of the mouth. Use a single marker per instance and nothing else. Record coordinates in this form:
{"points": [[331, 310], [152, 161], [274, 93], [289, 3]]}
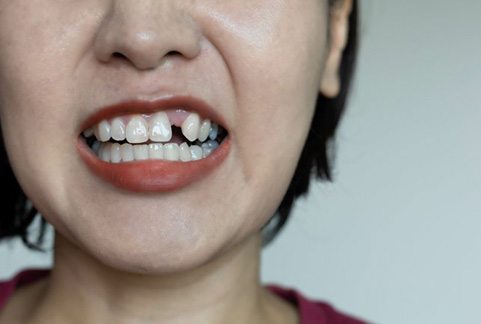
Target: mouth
{"points": [[152, 146]]}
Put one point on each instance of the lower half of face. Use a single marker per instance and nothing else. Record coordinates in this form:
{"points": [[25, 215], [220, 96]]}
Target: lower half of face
{"points": [[257, 64]]}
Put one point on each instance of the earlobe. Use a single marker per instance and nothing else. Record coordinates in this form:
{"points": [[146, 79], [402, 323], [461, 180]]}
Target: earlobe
{"points": [[339, 30]]}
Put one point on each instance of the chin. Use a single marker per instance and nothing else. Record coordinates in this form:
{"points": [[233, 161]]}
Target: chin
{"points": [[178, 247]]}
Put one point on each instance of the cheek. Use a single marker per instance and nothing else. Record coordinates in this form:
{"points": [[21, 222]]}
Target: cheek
{"points": [[35, 92], [275, 67]]}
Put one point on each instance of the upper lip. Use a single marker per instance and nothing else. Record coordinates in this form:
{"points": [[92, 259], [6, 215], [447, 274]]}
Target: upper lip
{"points": [[137, 106]]}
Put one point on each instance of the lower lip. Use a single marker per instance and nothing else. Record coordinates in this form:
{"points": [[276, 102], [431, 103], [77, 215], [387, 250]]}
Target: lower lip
{"points": [[153, 175]]}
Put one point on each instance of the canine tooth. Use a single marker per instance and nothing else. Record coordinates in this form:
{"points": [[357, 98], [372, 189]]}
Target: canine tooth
{"points": [[127, 152], [118, 129], [137, 130], [214, 131], [204, 130], [156, 151], [196, 152], [102, 131], [184, 152], [115, 153], [171, 152], [141, 152], [105, 152], [88, 132], [160, 129], [191, 126]]}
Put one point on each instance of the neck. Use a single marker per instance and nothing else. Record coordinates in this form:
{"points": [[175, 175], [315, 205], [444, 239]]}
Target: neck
{"points": [[224, 290]]}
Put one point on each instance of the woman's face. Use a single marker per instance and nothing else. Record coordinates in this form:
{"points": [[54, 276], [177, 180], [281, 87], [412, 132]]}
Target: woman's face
{"points": [[258, 64]]}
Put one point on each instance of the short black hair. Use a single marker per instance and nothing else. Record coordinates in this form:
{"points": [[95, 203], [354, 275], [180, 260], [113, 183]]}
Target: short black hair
{"points": [[315, 161]]}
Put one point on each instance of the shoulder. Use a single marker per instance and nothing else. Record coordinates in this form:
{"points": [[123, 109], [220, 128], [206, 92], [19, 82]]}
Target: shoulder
{"points": [[314, 311]]}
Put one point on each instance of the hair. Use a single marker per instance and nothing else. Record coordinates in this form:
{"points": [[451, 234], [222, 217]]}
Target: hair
{"points": [[315, 161]]}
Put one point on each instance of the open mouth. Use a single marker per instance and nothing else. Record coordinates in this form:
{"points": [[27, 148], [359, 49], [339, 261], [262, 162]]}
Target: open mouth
{"points": [[171, 135], [154, 146]]}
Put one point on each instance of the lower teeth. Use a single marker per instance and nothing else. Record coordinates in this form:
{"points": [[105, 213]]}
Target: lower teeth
{"points": [[116, 153]]}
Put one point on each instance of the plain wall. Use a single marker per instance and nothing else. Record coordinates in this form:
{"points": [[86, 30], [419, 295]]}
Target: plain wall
{"points": [[397, 237]]}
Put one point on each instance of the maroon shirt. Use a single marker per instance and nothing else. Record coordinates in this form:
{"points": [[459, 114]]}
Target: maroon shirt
{"points": [[310, 312]]}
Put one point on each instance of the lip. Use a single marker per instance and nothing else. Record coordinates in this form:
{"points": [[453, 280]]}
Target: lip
{"points": [[153, 175]]}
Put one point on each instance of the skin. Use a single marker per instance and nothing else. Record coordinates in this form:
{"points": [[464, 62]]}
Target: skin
{"points": [[189, 256]]}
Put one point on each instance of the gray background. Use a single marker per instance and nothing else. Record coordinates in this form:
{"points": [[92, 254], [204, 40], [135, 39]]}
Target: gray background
{"points": [[397, 237]]}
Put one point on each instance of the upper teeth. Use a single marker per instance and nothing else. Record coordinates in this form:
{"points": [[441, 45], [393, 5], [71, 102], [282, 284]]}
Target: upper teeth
{"points": [[156, 128], [160, 129]]}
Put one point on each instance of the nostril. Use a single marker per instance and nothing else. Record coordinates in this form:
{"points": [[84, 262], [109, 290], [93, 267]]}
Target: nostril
{"points": [[119, 55], [173, 53]]}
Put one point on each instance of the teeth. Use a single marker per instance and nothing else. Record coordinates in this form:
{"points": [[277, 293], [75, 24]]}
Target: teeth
{"points": [[102, 131], [209, 147], [204, 130], [214, 130], [156, 151], [105, 152], [191, 126], [115, 153], [88, 132], [118, 130], [196, 152], [211, 144], [137, 130], [160, 129], [206, 152], [184, 152], [156, 128], [127, 152], [141, 152], [96, 147], [171, 152]]}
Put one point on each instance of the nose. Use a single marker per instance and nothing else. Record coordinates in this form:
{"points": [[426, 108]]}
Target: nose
{"points": [[144, 32]]}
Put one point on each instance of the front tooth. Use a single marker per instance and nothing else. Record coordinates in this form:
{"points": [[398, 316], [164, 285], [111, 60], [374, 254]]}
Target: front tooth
{"points": [[118, 129], [115, 156], [141, 152], [171, 152], [160, 129], [156, 151], [105, 152], [137, 130], [204, 130], [127, 152], [102, 131], [196, 152], [191, 126], [184, 152]]}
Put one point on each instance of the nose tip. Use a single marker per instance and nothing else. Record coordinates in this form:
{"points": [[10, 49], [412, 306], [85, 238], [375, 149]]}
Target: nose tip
{"points": [[145, 37]]}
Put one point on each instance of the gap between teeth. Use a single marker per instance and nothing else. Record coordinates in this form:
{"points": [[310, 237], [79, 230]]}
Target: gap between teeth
{"points": [[117, 153], [156, 128]]}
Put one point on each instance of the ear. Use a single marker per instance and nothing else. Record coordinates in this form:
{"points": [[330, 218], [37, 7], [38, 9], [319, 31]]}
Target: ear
{"points": [[339, 30]]}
